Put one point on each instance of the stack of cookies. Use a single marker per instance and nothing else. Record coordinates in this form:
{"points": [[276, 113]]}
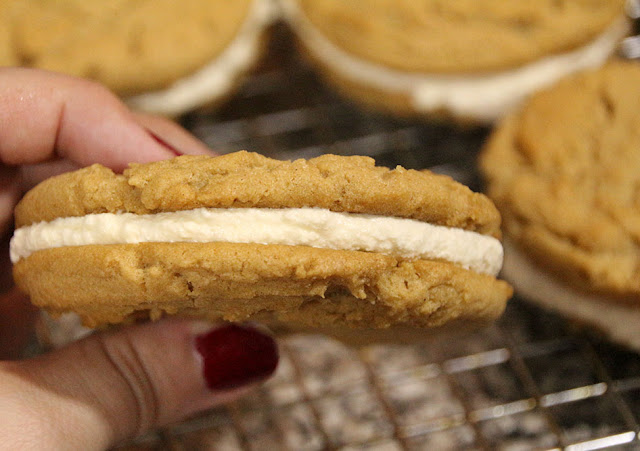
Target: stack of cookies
{"points": [[336, 241]]}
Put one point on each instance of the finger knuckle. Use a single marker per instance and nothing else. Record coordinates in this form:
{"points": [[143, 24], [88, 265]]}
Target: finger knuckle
{"points": [[136, 381]]}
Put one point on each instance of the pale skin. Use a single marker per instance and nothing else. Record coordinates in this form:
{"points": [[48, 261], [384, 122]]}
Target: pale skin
{"points": [[111, 386]]}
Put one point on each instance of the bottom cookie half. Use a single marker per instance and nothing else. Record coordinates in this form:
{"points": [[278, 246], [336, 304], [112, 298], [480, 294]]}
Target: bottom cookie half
{"points": [[108, 284]]}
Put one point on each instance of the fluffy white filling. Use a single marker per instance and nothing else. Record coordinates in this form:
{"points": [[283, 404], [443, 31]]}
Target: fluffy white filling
{"points": [[290, 226], [217, 77], [618, 320], [484, 97]]}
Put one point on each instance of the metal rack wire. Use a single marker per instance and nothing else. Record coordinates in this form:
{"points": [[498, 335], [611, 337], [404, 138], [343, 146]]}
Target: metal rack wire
{"points": [[530, 381]]}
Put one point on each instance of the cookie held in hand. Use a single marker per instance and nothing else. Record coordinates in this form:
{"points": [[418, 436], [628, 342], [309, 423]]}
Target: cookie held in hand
{"points": [[332, 241]]}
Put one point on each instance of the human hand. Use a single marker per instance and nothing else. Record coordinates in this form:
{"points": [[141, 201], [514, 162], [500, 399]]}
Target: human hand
{"points": [[112, 385]]}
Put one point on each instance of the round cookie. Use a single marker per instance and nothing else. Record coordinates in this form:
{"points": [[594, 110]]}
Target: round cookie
{"points": [[564, 173], [309, 282], [163, 56], [471, 61]]}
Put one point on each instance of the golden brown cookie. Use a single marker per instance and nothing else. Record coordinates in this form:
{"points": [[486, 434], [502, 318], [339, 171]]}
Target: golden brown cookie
{"points": [[564, 173], [7, 52], [245, 179], [331, 241], [170, 56], [461, 58]]}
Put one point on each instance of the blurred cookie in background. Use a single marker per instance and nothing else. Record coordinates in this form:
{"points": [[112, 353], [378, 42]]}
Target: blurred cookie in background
{"points": [[162, 56], [459, 59], [565, 175]]}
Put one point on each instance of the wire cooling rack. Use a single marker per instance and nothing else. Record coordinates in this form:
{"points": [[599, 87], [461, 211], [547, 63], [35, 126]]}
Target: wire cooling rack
{"points": [[530, 381]]}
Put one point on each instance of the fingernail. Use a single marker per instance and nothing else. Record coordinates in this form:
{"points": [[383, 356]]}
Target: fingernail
{"points": [[234, 356], [164, 144]]}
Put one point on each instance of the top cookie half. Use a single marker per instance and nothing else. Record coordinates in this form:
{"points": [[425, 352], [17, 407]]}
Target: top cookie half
{"points": [[565, 173], [458, 36], [243, 179]]}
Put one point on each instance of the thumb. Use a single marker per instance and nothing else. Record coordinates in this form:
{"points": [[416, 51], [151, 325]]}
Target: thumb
{"points": [[116, 385]]}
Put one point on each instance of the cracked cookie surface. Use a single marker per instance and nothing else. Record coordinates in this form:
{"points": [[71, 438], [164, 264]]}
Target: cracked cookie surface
{"points": [[564, 173], [245, 179], [235, 281]]}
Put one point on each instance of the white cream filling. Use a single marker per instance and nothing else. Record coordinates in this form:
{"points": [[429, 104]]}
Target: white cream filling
{"points": [[216, 78], [618, 320], [290, 226], [485, 97]]}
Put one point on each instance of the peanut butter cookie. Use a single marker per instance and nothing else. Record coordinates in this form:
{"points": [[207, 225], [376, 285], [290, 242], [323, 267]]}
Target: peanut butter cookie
{"points": [[564, 173], [331, 241], [465, 59], [164, 56]]}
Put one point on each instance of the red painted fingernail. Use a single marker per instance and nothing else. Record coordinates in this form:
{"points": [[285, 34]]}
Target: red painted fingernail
{"points": [[234, 356], [165, 144]]}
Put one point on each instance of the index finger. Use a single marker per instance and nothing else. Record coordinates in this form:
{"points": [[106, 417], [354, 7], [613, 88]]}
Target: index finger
{"points": [[45, 115]]}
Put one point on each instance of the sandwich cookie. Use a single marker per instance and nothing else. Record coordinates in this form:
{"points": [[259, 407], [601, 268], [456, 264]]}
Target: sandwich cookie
{"points": [[466, 60], [332, 241], [162, 56], [564, 173]]}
